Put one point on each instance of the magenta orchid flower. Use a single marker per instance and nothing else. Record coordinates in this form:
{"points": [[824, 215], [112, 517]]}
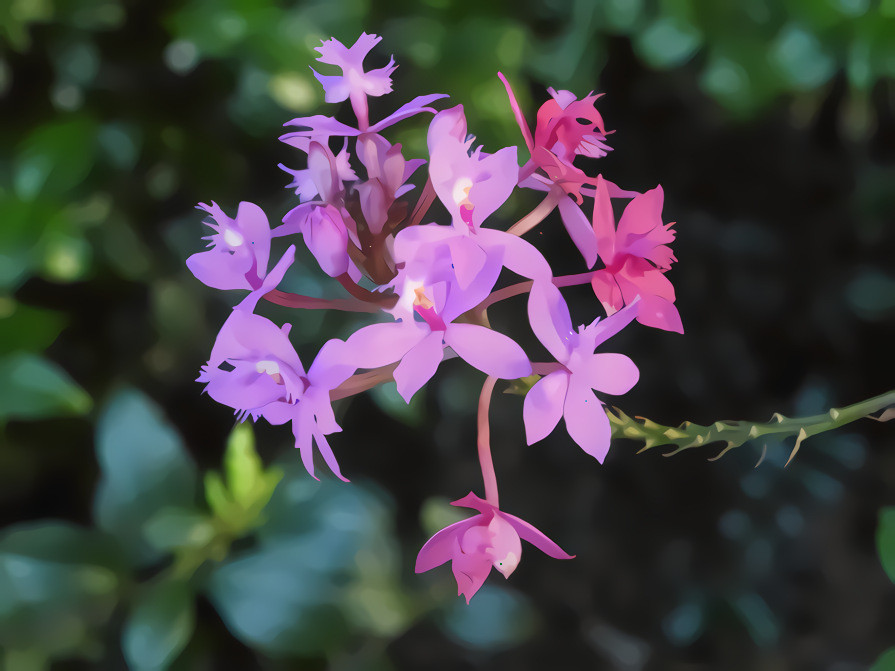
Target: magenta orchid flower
{"points": [[492, 538], [240, 249], [637, 256], [566, 391]]}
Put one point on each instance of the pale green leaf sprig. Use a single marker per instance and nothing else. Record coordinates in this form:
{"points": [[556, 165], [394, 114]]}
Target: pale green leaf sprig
{"points": [[236, 500], [735, 433]]}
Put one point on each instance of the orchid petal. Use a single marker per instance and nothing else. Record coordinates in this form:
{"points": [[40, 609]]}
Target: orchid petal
{"points": [[381, 344], [586, 420], [419, 365], [549, 317], [489, 351], [609, 373], [543, 405], [441, 547], [529, 533], [580, 230]]}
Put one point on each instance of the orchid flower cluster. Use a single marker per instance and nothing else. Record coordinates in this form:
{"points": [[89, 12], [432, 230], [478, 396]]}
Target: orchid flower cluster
{"points": [[431, 283]]}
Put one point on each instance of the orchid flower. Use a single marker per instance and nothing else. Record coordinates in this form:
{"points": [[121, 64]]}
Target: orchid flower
{"points": [[387, 172], [475, 545], [254, 369], [419, 345], [637, 256], [566, 391], [240, 249]]}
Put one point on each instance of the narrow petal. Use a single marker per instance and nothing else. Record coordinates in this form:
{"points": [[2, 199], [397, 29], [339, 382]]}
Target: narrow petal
{"points": [[606, 328], [467, 259], [543, 405], [550, 319], [517, 112], [419, 365], [415, 106], [609, 373], [317, 124], [335, 87], [580, 230], [441, 547], [642, 214], [332, 365], [659, 313], [586, 420], [328, 457], [607, 291], [216, 269], [489, 351], [516, 254], [604, 222], [529, 533]]}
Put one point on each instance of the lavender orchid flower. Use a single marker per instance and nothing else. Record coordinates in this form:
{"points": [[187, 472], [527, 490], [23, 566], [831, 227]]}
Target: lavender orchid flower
{"points": [[475, 545], [567, 389], [240, 249]]}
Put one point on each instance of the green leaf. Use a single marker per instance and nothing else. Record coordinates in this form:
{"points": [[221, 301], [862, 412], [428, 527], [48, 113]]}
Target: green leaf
{"points": [[243, 465], [54, 158], [23, 327], [145, 468], [32, 387], [159, 627], [885, 540], [885, 662], [216, 495], [58, 586], [172, 528]]}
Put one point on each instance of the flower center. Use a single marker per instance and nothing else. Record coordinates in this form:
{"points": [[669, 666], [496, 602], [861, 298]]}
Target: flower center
{"points": [[271, 368], [233, 238]]}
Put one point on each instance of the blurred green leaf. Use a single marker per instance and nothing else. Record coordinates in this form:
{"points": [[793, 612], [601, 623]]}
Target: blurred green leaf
{"points": [[55, 158], [159, 627], [885, 540], [494, 619], [32, 387], [23, 327], [243, 465], [145, 468], [58, 585], [324, 543], [885, 662], [173, 528]]}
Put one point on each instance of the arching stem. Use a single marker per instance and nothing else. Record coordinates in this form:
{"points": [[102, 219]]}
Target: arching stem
{"points": [[484, 442]]}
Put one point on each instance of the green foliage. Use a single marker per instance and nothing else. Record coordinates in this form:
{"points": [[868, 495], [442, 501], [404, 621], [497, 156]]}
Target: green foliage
{"points": [[886, 661], [58, 586], [159, 626], [144, 467], [32, 387], [885, 540], [494, 619]]}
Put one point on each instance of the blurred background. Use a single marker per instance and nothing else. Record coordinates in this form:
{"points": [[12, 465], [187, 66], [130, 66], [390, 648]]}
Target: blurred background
{"points": [[130, 541]]}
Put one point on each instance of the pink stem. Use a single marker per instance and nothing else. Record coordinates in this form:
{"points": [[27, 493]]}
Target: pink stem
{"points": [[537, 215], [484, 442], [525, 287], [423, 204], [363, 381], [380, 300], [309, 303]]}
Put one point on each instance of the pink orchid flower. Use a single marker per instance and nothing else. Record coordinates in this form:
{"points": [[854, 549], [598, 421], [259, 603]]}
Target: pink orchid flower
{"points": [[240, 249], [475, 545], [637, 256], [566, 128], [305, 181], [566, 390]]}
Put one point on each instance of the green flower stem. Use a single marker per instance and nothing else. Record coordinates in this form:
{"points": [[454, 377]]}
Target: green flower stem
{"points": [[735, 433]]}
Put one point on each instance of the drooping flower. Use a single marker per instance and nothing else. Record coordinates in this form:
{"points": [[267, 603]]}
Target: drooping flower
{"points": [[475, 545], [566, 391], [637, 255], [240, 249]]}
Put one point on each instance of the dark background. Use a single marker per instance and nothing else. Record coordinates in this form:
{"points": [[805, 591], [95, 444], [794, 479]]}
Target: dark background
{"points": [[770, 126]]}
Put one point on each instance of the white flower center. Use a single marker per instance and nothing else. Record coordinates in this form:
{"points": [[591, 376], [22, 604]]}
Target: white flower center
{"points": [[233, 238], [271, 368], [460, 194]]}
